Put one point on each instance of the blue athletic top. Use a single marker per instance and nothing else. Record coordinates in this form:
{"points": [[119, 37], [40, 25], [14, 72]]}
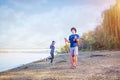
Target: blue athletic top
{"points": [[52, 47], [71, 39]]}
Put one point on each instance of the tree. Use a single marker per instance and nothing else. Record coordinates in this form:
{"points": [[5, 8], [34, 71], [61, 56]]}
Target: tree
{"points": [[111, 26]]}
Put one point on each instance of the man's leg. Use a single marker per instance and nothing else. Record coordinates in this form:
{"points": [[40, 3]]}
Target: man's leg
{"points": [[72, 57], [72, 61], [75, 60], [76, 54]]}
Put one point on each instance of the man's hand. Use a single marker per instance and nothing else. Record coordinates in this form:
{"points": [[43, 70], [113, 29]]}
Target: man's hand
{"points": [[76, 39]]}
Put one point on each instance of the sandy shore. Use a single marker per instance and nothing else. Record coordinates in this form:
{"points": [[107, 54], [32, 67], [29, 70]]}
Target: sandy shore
{"points": [[98, 65]]}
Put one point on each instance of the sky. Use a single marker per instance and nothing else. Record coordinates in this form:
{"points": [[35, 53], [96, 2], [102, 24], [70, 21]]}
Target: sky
{"points": [[35, 23]]}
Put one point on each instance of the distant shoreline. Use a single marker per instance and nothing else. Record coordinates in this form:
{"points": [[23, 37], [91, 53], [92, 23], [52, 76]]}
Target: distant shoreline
{"points": [[22, 50]]}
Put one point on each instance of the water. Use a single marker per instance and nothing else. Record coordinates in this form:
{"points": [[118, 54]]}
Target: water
{"points": [[12, 60]]}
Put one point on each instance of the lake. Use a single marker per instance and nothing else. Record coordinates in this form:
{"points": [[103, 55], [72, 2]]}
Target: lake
{"points": [[12, 60]]}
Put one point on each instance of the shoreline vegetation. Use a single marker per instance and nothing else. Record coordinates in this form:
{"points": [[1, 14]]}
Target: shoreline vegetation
{"points": [[92, 65]]}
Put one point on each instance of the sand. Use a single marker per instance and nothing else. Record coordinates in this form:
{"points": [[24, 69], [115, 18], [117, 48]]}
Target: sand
{"points": [[95, 65]]}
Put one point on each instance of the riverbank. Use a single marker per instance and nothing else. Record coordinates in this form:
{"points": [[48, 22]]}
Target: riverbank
{"points": [[98, 65], [12, 60]]}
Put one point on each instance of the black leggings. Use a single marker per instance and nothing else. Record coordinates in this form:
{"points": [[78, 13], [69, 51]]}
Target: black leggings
{"points": [[52, 57]]}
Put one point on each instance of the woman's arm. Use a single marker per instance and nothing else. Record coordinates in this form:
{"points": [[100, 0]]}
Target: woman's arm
{"points": [[66, 40]]}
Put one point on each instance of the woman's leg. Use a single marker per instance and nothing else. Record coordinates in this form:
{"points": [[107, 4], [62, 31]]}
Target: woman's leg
{"points": [[52, 57]]}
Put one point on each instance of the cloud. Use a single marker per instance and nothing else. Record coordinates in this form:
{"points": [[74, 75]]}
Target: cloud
{"points": [[29, 29]]}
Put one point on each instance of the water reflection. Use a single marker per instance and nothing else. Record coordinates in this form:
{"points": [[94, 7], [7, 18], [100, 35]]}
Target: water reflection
{"points": [[12, 60]]}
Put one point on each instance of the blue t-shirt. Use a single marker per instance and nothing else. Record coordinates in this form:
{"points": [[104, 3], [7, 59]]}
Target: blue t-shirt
{"points": [[71, 39]]}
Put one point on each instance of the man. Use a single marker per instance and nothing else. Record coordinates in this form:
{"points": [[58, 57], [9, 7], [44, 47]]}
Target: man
{"points": [[73, 39]]}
